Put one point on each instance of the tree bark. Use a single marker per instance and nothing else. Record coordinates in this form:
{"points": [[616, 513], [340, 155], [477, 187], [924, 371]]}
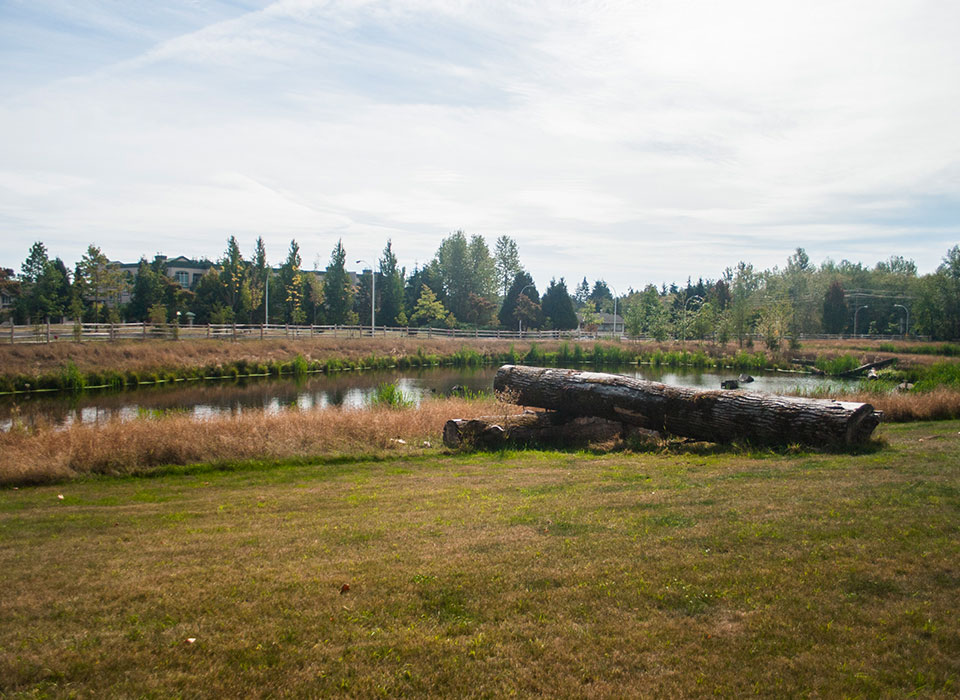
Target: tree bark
{"points": [[493, 432], [714, 416]]}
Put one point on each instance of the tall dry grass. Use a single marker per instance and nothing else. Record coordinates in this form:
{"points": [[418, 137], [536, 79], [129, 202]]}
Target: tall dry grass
{"points": [[153, 355], [939, 404], [129, 447]]}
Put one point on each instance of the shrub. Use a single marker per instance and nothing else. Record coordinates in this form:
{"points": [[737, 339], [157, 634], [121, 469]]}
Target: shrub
{"points": [[389, 395]]}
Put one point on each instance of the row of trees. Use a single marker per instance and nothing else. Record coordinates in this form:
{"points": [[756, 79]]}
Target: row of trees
{"points": [[467, 284], [801, 298], [464, 284]]}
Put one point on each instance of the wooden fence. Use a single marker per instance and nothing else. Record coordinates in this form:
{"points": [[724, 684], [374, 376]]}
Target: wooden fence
{"points": [[93, 332]]}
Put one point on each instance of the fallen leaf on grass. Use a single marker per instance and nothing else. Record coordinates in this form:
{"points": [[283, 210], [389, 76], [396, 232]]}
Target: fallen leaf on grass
{"points": [[344, 588]]}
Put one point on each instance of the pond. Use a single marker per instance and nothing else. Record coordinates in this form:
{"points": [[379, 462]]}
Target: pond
{"points": [[204, 399]]}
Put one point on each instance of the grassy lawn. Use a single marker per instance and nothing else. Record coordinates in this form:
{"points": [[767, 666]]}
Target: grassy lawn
{"points": [[689, 570]]}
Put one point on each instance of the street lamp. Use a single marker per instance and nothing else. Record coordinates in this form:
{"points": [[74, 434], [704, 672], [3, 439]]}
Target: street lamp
{"points": [[906, 330], [373, 296], [520, 320], [855, 318], [615, 295], [684, 332]]}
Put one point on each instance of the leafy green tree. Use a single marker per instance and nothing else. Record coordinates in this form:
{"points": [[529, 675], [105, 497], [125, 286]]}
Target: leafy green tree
{"points": [[428, 310], [744, 282], [937, 309], [209, 303], [100, 283], [337, 287], [428, 275], [528, 312], [557, 306], [774, 322], [44, 286], [506, 262], [465, 268]]}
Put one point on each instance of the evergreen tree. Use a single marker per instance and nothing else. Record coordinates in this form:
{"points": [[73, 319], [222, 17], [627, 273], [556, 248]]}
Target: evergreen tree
{"points": [[601, 296], [521, 282], [337, 287], [557, 306], [147, 292], [582, 293], [233, 277], [835, 311], [258, 281], [391, 287], [291, 285]]}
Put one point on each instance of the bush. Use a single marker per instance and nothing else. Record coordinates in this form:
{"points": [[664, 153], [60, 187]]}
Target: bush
{"points": [[389, 395], [71, 378]]}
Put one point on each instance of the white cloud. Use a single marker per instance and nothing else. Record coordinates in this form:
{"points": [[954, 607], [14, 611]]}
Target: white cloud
{"points": [[637, 142]]}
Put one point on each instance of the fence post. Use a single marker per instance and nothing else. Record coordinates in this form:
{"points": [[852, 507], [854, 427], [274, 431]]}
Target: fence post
{"points": [[13, 329], [48, 331], [208, 331], [144, 333], [261, 331], [234, 332]]}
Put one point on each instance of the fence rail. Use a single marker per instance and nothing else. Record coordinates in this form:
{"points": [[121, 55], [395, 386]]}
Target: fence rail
{"points": [[106, 332]]}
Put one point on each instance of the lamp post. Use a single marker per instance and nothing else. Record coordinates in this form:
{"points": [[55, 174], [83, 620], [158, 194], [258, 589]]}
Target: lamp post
{"points": [[373, 297], [906, 328], [520, 320], [855, 313], [266, 297], [684, 331], [615, 296]]}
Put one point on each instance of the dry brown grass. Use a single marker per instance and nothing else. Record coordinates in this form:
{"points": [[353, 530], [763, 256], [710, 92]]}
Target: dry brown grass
{"points": [[152, 355], [117, 447], [939, 404]]}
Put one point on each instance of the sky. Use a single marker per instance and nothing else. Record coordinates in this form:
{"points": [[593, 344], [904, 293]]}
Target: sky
{"points": [[642, 141]]}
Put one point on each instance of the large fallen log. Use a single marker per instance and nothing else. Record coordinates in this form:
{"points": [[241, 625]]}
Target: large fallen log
{"points": [[545, 428], [714, 416]]}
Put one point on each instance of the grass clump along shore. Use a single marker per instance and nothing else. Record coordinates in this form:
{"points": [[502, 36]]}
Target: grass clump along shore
{"points": [[674, 570], [79, 366]]}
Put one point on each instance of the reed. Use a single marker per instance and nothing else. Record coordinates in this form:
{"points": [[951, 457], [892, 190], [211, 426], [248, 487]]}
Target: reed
{"points": [[43, 454]]}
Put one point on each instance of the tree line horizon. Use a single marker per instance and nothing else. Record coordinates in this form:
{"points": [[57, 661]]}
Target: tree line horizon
{"points": [[467, 285]]}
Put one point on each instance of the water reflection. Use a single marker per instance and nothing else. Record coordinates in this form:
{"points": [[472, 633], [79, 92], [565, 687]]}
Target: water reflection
{"points": [[205, 399]]}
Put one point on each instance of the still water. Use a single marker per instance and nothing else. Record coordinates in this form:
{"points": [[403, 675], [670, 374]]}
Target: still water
{"points": [[347, 389]]}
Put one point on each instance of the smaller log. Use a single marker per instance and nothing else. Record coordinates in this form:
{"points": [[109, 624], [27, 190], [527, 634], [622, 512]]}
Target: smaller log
{"points": [[541, 428], [869, 366]]}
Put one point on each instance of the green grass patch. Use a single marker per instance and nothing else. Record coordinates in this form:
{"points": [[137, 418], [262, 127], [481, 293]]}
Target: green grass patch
{"points": [[685, 572]]}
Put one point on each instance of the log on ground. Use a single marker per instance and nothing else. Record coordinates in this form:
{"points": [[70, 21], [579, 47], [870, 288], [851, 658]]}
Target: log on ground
{"points": [[539, 428], [714, 416]]}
